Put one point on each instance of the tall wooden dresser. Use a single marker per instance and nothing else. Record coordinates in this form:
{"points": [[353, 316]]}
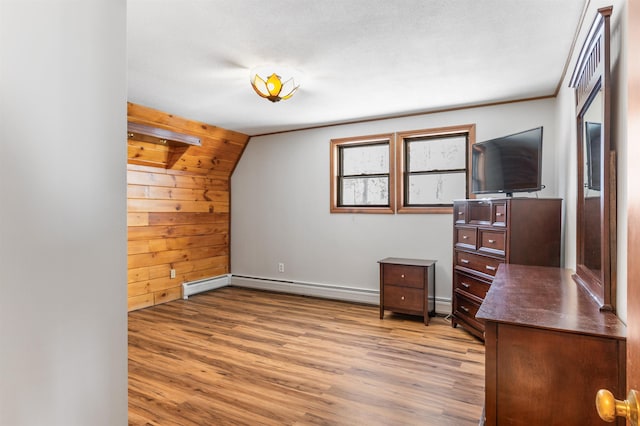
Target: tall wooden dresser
{"points": [[488, 232]]}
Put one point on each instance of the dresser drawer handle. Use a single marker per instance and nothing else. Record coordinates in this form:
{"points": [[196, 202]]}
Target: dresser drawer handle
{"points": [[498, 214], [464, 261], [402, 276], [465, 237], [465, 285], [460, 213], [492, 241], [401, 297], [464, 308], [491, 268]]}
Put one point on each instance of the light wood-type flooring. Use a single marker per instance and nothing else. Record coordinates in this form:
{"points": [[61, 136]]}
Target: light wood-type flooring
{"points": [[235, 356]]}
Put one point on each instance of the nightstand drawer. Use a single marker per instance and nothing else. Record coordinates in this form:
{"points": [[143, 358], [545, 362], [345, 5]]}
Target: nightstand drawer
{"points": [[403, 299], [483, 264], [470, 285], [404, 276]]}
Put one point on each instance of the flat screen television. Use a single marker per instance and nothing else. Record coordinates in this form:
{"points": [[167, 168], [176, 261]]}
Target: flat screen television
{"points": [[508, 164]]}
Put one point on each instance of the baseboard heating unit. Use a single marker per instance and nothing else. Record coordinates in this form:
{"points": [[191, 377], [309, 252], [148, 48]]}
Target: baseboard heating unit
{"points": [[194, 287], [326, 291]]}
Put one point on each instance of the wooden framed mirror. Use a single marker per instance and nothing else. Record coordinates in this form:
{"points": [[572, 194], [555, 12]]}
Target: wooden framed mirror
{"points": [[596, 192]]}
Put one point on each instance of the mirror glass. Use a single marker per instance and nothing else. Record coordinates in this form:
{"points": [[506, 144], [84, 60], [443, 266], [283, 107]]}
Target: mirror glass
{"points": [[592, 122]]}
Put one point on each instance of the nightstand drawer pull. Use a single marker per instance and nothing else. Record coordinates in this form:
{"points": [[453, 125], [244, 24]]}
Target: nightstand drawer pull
{"points": [[491, 268], [459, 213], [465, 237], [492, 241], [464, 261], [464, 308], [465, 285], [401, 297], [498, 214], [402, 276]]}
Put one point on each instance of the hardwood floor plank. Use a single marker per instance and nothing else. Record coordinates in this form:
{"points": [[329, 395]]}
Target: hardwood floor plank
{"points": [[243, 357]]}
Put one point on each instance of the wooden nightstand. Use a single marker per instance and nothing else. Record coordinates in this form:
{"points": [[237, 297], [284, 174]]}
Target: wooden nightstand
{"points": [[408, 286]]}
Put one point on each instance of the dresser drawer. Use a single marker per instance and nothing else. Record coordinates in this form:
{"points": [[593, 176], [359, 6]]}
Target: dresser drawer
{"points": [[466, 237], [403, 299], [465, 309], [492, 241], [483, 264], [499, 216], [470, 285], [479, 212], [460, 212], [403, 275]]}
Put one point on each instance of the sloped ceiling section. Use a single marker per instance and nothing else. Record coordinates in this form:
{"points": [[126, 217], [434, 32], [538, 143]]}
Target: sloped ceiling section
{"points": [[360, 58], [217, 155]]}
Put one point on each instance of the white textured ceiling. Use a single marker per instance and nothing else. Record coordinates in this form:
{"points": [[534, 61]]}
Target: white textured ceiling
{"points": [[360, 58]]}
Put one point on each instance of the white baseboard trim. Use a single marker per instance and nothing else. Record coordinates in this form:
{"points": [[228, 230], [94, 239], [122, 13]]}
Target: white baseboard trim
{"points": [[325, 291], [207, 284], [443, 306]]}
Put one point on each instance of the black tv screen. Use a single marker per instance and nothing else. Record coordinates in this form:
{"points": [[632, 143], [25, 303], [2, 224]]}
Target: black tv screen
{"points": [[508, 164]]}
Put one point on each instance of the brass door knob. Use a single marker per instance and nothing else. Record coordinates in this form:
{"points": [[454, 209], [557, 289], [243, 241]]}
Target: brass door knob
{"points": [[609, 408]]}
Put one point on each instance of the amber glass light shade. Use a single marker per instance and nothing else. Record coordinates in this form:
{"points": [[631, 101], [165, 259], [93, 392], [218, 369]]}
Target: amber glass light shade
{"points": [[274, 85]]}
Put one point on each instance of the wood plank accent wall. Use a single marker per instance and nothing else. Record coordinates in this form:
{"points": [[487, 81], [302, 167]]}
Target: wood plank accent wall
{"points": [[178, 207]]}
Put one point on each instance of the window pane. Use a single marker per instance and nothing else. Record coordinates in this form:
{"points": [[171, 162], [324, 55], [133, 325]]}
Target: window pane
{"points": [[365, 191], [365, 159], [437, 153], [436, 188]]}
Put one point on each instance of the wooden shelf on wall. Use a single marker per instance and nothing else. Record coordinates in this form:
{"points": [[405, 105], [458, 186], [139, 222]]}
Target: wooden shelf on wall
{"points": [[161, 136], [156, 147]]}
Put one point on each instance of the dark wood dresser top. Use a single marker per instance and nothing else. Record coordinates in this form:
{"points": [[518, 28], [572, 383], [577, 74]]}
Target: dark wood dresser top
{"points": [[546, 297]]}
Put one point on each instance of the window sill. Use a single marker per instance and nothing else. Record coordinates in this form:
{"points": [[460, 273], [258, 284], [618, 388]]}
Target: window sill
{"points": [[374, 210], [426, 210]]}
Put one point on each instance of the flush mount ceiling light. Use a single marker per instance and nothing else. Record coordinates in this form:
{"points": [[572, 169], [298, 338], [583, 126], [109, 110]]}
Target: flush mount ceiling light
{"points": [[275, 83]]}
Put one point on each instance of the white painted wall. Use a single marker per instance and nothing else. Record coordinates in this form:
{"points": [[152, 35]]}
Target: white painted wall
{"points": [[619, 57], [567, 146], [341, 250], [63, 320], [280, 204]]}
